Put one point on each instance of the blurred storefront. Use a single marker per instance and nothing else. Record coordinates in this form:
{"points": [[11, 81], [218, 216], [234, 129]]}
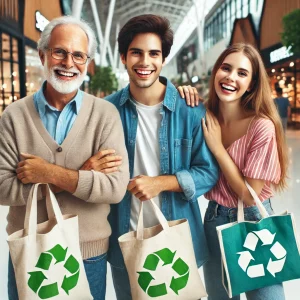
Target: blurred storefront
{"points": [[21, 22], [282, 65], [227, 18], [258, 22], [283, 68]]}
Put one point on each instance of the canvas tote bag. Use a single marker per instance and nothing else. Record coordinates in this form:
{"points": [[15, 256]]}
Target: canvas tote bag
{"points": [[46, 257], [258, 254], [160, 260]]}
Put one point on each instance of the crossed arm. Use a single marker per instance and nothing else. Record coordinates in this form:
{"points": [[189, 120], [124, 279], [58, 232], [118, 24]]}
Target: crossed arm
{"points": [[34, 169], [18, 173]]}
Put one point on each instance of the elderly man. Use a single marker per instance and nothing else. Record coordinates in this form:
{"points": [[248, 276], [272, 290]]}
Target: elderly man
{"points": [[55, 137]]}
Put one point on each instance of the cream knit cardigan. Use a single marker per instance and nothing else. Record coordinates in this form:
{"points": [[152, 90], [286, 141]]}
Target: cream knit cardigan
{"points": [[97, 126]]}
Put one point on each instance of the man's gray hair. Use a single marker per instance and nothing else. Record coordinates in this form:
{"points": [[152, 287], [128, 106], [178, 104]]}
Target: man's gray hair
{"points": [[66, 20]]}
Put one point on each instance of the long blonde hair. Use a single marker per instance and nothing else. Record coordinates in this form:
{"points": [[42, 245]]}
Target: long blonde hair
{"points": [[259, 100]]}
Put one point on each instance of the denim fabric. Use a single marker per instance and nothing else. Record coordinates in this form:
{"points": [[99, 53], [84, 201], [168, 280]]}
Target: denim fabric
{"points": [[95, 269], [217, 215], [11, 284], [183, 152], [121, 283]]}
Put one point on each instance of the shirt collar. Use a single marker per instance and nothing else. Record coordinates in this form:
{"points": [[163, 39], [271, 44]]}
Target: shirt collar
{"points": [[170, 96], [42, 102]]}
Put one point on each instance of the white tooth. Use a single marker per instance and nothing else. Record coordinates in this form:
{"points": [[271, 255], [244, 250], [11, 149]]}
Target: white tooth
{"points": [[144, 72], [65, 73], [228, 87]]}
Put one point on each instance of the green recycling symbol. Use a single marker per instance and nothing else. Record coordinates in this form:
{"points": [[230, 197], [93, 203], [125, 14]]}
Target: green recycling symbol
{"points": [[177, 283], [58, 255]]}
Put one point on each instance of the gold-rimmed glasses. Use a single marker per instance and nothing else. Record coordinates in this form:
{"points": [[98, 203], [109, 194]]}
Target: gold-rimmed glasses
{"points": [[78, 57]]}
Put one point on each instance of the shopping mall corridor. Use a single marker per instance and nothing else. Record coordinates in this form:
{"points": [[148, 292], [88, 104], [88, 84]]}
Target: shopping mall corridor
{"points": [[286, 201]]}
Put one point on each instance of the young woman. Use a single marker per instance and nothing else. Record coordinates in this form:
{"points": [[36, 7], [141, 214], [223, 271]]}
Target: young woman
{"points": [[244, 132]]}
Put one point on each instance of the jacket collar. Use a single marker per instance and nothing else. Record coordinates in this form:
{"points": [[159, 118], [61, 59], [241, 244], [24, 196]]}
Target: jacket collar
{"points": [[170, 96]]}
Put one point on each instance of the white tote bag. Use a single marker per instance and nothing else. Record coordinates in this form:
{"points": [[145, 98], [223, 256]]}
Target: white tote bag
{"points": [[46, 257], [160, 260]]}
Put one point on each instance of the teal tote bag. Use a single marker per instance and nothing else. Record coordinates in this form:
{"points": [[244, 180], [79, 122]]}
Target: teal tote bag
{"points": [[258, 254]]}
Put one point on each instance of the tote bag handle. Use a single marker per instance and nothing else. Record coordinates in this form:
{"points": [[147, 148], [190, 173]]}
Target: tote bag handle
{"points": [[159, 215], [261, 208], [53, 210]]}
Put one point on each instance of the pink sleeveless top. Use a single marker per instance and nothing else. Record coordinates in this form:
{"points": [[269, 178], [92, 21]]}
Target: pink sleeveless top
{"points": [[256, 156]]}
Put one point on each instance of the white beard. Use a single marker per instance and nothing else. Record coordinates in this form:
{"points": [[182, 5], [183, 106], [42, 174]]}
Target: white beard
{"points": [[62, 86]]}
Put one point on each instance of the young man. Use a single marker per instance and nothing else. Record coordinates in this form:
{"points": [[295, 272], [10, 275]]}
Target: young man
{"points": [[49, 138], [168, 158]]}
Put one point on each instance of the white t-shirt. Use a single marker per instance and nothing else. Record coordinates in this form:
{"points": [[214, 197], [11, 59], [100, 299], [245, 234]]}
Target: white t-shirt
{"points": [[146, 158]]}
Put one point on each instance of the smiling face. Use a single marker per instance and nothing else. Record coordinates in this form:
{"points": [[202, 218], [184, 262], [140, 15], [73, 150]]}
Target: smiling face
{"points": [[64, 75], [144, 60], [233, 78]]}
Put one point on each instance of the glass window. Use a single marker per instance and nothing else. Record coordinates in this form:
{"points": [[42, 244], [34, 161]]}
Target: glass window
{"points": [[5, 46], [239, 8], [223, 22], [297, 84], [215, 31], [221, 25], [218, 27], [15, 50], [238, 4], [210, 35], [228, 20], [7, 84], [245, 9], [206, 38], [16, 81], [9, 71], [34, 71], [233, 9]]}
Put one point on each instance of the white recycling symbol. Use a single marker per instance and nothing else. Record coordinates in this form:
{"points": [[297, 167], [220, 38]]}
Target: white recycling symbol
{"points": [[267, 238]]}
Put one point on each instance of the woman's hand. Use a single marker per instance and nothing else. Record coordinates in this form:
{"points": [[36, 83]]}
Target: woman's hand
{"points": [[190, 94], [212, 133]]}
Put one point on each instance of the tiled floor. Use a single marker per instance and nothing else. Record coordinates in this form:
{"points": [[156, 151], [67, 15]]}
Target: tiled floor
{"points": [[286, 201]]}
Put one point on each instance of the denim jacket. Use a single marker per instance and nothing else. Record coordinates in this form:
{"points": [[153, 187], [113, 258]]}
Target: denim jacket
{"points": [[183, 153]]}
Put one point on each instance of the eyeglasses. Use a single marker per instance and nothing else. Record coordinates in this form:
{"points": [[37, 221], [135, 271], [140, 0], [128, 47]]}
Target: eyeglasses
{"points": [[78, 57]]}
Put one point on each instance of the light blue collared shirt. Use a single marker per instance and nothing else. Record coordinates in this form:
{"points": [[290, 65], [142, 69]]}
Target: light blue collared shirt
{"points": [[58, 123]]}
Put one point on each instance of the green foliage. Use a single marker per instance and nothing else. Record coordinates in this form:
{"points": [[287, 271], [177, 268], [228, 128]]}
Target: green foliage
{"points": [[104, 80], [291, 30]]}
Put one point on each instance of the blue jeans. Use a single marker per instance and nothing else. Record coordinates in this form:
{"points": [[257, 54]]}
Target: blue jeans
{"points": [[121, 283], [95, 268], [217, 215], [11, 284]]}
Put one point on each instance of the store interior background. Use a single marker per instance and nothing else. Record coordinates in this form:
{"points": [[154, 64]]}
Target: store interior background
{"points": [[226, 21]]}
